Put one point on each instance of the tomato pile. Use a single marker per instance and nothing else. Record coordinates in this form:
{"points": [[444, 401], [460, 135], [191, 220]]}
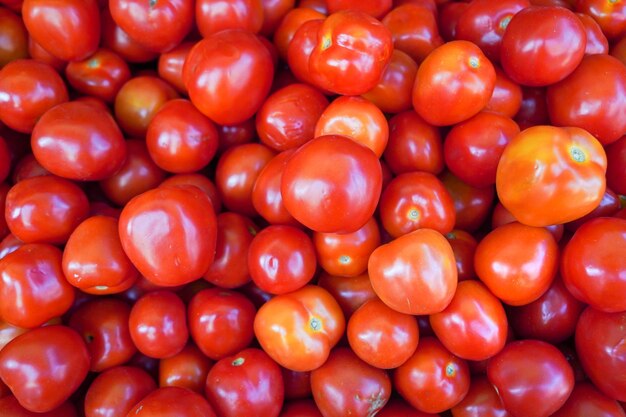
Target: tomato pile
{"points": [[305, 208]]}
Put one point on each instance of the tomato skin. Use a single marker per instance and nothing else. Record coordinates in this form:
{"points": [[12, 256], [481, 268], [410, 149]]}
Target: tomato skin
{"points": [[599, 108], [170, 65], [299, 49], [172, 402], [266, 197], [247, 383], [312, 321], [349, 292], [11, 408], [116, 39], [182, 224], [345, 385], [33, 289], [482, 400], [300, 408], [596, 40], [240, 64], [454, 83], [532, 377], [616, 166], [213, 16], [415, 273], [463, 245], [187, 369], [15, 37], [549, 175], [609, 15], [44, 366], [586, 400], [200, 181], [332, 184], [69, 30], [506, 98]]}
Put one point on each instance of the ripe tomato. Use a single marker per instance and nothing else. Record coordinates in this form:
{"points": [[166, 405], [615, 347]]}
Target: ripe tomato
{"points": [[299, 49], [586, 400], [464, 247], [616, 166], [116, 39], [204, 183], [299, 329], [213, 16], [376, 8], [187, 369], [15, 37], [266, 197], [416, 273], [597, 42], [172, 402], [549, 175], [608, 14], [170, 65], [506, 98], [11, 408], [300, 408], [482, 400], [288, 26], [349, 292]]}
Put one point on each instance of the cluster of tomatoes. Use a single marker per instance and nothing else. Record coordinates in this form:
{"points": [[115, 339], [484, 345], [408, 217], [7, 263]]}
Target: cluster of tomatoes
{"points": [[281, 208]]}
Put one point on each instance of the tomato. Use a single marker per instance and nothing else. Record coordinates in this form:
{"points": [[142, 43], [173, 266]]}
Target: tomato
{"points": [[172, 402], [455, 82], [266, 197], [381, 336], [273, 13], [297, 384], [532, 377], [170, 65], [14, 37], [396, 407], [33, 289], [116, 391], [116, 39], [228, 75], [299, 329], [288, 26], [11, 408], [586, 400], [345, 385], [9, 244], [580, 101], [609, 205], [220, 322], [182, 226], [301, 46], [248, 383], [44, 366], [349, 292], [533, 110], [433, 379], [463, 245], [180, 139], [596, 41], [474, 325], [301, 408], [550, 175], [200, 181], [616, 165], [608, 14], [482, 400], [69, 30], [506, 98], [213, 16], [448, 17], [416, 273], [187, 369], [363, 45], [332, 184]]}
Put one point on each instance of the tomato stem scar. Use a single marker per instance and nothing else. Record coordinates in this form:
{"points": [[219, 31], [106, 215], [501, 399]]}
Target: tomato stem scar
{"points": [[238, 362], [315, 323], [577, 154]]}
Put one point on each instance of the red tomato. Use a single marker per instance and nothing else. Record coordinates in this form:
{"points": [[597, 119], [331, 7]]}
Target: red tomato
{"points": [[610, 15], [11, 408], [213, 16], [586, 400], [396, 407], [172, 402], [332, 184], [247, 383], [301, 408], [15, 37], [448, 17], [182, 227], [116, 39], [187, 369], [413, 29], [170, 65], [44, 366], [376, 8], [532, 377], [204, 183], [273, 13], [506, 98], [297, 384], [616, 166], [482, 400], [416, 273], [349, 292], [596, 41], [299, 49], [464, 246]]}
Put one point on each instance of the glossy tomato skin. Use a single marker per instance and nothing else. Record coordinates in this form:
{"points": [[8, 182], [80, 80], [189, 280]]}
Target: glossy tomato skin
{"points": [[332, 184], [15, 44], [69, 30], [247, 383], [172, 402], [182, 224], [170, 65], [45, 209], [532, 377], [213, 16], [310, 317], [359, 40], [609, 15], [300, 408], [44, 366], [288, 26], [187, 369], [482, 400], [33, 288], [116, 39], [586, 400], [416, 273], [506, 98], [266, 197], [392, 94], [549, 175], [115, 391], [616, 166], [200, 181], [299, 49], [345, 385], [239, 64], [11, 408], [464, 247], [349, 292], [453, 83], [599, 108], [597, 42]]}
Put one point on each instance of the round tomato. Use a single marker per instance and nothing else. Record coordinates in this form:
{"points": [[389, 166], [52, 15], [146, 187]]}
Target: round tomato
{"points": [[172, 402], [187, 369]]}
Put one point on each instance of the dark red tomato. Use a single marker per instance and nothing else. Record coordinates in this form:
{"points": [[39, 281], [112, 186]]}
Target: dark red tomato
{"points": [[472, 148], [36, 52], [170, 65], [610, 15], [586, 401], [482, 400], [506, 98], [332, 184], [416, 200], [45, 209], [4, 190], [596, 107], [453, 83], [349, 292], [180, 139], [300, 47], [484, 22], [44, 366], [533, 110], [297, 384], [103, 324], [416, 273], [532, 377], [414, 145], [117, 40], [27, 167], [413, 30], [221, 322], [363, 45], [213, 16], [281, 259], [397, 407], [345, 385], [501, 216], [609, 205], [28, 89], [464, 246], [11, 408], [145, 21], [69, 30], [172, 402], [596, 41], [187, 369], [287, 118], [474, 325], [228, 75], [376, 8], [558, 38], [616, 166], [200, 181], [472, 205], [236, 134], [601, 350], [266, 197], [593, 264], [301, 408], [382, 337], [14, 37], [236, 173], [182, 227], [101, 75], [433, 379], [33, 289], [448, 16], [116, 391], [247, 383], [5, 165]]}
